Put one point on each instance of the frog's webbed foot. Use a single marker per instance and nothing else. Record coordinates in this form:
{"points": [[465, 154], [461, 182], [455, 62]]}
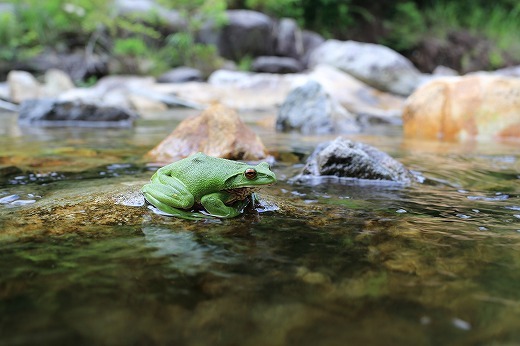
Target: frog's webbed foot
{"points": [[215, 206]]}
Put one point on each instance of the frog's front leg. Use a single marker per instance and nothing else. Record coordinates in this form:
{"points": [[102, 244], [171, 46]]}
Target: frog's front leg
{"points": [[214, 205], [167, 194]]}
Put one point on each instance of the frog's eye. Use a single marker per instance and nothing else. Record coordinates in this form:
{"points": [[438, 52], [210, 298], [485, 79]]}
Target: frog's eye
{"points": [[250, 173]]}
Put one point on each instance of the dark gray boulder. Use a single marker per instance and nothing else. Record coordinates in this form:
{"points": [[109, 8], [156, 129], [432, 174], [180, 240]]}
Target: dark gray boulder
{"points": [[276, 64], [348, 159], [310, 110], [247, 33], [53, 112], [288, 38], [310, 41]]}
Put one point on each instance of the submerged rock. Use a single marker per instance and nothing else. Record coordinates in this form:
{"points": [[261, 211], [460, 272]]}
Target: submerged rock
{"points": [[470, 107], [218, 132], [348, 159], [53, 112], [310, 109], [75, 208]]}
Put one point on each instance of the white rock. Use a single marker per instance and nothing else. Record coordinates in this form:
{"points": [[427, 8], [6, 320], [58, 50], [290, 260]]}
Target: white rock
{"points": [[56, 83], [23, 86], [376, 65], [144, 104]]}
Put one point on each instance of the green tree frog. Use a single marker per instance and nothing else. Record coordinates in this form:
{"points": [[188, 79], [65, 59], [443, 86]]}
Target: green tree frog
{"points": [[222, 187]]}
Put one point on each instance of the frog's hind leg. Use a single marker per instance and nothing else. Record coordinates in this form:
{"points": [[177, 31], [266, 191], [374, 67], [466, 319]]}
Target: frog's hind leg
{"points": [[169, 195], [171, 211]]}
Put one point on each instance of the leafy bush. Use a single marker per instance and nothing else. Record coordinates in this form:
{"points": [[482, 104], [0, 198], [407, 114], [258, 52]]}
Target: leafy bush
{"points": [[93, 25], [329, 17], [495, 25]]}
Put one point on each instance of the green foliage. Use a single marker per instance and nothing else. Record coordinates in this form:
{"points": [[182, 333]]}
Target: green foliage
{"points": [[406, 28], [279, 8], [132, 46], [12, 37], [245, 63], [499, 22], [329, 17], [181, 49], [61, 24]]}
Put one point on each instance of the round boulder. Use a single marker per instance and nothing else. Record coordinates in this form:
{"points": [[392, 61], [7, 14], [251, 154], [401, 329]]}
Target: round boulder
{"points": [[469, 107], [23, 86], [246, 33], [374, 64], [218, 132], [348, 159]]}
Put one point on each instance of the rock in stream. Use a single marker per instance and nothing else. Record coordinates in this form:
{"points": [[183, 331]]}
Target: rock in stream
{"points": [[348, 159]]}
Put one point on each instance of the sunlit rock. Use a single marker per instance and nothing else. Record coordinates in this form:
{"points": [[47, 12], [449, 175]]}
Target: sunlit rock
{"points": [[470, 107], [218, 131], [23, 86], [348, 159], [145, 104], [376, 65], [310, 110], [56, 83], [369, 104], [246, 91]]}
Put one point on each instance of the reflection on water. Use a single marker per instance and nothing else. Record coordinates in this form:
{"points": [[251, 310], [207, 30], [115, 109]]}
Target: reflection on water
{"points": [[434, 263]]}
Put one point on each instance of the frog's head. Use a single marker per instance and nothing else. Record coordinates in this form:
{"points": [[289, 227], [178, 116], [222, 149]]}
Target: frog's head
{"points": [[252, 176]]}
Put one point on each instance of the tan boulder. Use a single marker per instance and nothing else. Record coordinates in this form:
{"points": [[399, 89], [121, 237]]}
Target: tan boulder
{"points": [[458, 108], [23, 86], [218, 131]]}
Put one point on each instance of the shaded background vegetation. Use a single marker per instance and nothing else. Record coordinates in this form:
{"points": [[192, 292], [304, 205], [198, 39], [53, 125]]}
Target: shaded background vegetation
{"points": [[459, 34]]}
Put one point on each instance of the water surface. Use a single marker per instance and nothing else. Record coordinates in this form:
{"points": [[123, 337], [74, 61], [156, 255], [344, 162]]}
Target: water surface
{"points": [[342, 263]]}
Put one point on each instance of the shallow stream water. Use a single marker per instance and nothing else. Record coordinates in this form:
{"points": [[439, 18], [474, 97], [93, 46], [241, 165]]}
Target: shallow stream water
{"points": [[339, 263]]}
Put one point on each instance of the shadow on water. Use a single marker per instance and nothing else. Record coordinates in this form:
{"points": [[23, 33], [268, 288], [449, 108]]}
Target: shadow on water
{"points": [[432, 263]]}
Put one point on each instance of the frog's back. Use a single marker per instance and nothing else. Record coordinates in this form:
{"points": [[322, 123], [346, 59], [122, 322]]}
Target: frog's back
{"points": [[204, 174]]}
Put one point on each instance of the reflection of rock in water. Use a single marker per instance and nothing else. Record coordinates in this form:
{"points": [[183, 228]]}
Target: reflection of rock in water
{"points": [[188, 254]]}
